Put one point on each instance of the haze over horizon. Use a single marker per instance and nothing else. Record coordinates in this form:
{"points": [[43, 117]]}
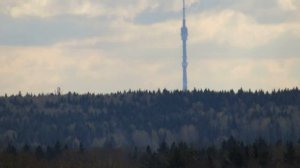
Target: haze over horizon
{"points": [[106, 46]]}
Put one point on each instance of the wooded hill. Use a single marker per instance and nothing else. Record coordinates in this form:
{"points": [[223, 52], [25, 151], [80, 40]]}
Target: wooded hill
{"points": [[142, 118], [230, 154]]}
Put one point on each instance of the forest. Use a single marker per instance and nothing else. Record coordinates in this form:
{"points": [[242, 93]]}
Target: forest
{"points": [[130, 119], [230, 154]]}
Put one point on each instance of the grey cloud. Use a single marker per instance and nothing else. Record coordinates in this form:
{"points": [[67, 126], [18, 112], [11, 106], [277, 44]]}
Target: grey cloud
{"points": [[267, 11], [42, 31], [155, 16], [36, 31], [286, 46]]}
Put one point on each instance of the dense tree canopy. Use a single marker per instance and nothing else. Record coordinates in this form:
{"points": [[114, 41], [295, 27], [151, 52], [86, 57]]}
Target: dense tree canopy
{"points": [[142, 118], [231, 154]]}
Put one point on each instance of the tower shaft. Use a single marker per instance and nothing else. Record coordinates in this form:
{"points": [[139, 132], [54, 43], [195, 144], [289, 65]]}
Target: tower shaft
{"points": [[184, 36]]}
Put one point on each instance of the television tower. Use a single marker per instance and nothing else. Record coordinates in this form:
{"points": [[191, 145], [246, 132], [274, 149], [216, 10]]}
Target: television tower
{"points": [[184, 36]]}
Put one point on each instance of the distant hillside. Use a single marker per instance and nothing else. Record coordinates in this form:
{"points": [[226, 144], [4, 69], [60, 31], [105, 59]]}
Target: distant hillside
{"points": [[141, 118]]}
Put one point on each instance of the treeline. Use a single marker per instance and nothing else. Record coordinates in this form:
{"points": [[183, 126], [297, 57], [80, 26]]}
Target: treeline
{"points": [[141, 118], [229, 154], [64, 157]]}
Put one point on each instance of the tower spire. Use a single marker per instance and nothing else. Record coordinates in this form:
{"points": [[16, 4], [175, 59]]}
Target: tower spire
{"points": [[183, 10], [184, 35]]}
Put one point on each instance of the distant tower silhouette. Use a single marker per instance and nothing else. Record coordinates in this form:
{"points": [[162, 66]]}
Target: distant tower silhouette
{"points": [[184, 36], [58, 91]]}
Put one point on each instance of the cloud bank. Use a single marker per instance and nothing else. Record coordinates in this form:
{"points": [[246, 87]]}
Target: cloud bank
{"points": [[108, 45]]}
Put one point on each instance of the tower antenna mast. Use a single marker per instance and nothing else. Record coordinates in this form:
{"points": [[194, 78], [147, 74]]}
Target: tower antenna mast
{"points": [[184, 36]]}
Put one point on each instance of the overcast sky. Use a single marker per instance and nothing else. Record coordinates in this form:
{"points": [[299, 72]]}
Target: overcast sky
{"points": [[106, 46]]}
